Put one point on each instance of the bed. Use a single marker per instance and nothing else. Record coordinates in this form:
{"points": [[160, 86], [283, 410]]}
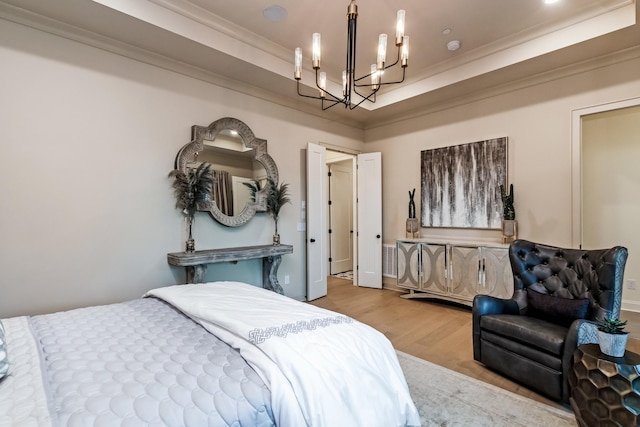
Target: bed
{"points": [[214, 354]]}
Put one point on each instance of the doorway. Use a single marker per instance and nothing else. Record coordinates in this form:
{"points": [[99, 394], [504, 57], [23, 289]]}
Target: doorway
{"points": [[366, 239], [605, 150], [340, 214]]}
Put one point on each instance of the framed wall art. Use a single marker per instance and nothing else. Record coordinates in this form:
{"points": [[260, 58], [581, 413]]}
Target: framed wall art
{"points": [[460, 185]]}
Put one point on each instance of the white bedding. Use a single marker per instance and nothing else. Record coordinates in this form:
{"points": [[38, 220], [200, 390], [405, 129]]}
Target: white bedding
{"points": [[323, 369], [23, 398]]}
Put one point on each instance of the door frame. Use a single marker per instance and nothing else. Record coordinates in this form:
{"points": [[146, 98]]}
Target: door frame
{"points": [[576, 160], [354, 200], [345, 165]]}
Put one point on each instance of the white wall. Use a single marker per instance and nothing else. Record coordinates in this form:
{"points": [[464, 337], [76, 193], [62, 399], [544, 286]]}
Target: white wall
{"points": [[537, 120], [87, 139]]}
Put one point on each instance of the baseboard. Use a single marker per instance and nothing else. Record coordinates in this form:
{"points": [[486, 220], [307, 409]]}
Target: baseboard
{"points": [[392, 287], [631, 306]]}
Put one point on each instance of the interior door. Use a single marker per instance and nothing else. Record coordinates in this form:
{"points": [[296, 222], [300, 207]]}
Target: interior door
{"points": [[369, 178], [316, 222], [340, 216]]}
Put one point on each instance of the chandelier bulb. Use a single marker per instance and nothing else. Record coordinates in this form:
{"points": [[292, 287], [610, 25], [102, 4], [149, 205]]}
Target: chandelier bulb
{"points": [[375, 77], [400, 27], [345, 83], [297, 68], [404, 55], [382, 51], [323, 83], [316, 50]]}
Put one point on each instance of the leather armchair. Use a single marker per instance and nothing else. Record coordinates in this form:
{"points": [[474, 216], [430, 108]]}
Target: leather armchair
{"points": [[558, 293]]}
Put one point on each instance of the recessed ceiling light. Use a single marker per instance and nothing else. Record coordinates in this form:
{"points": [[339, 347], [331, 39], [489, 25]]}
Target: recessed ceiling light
{"points": [[275, 13], [454, 45], [446, 31], [550, 1]]}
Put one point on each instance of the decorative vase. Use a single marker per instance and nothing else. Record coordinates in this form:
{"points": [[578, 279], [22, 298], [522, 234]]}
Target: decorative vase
{"points": [[509, 230], [412, 227], [613, 345], [276, 240], [191, 244]]}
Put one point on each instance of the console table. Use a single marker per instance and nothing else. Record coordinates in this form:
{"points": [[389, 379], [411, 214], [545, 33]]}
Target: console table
{"points": [[196, 262]]}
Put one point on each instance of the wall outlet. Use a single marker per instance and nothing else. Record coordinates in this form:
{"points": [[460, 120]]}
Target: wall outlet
{"points": [[286, 279], [632, 284]]}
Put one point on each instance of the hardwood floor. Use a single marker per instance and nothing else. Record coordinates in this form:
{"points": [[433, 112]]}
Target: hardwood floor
{"points": [[435, 331]]}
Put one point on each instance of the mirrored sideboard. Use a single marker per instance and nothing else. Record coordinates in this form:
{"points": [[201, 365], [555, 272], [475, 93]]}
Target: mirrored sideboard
{"points": [[453, 271]]}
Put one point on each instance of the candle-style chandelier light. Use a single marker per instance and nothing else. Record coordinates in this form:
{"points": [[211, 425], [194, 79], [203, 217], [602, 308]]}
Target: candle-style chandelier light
{"points": [[366, 90]]}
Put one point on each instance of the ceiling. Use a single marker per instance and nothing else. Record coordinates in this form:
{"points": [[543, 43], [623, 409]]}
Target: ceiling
{"points": [[235, 45]]}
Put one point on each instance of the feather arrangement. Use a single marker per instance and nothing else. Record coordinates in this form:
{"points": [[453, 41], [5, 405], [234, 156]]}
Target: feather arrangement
{"points": [[193, 188], [277, 196], [254, 187]]}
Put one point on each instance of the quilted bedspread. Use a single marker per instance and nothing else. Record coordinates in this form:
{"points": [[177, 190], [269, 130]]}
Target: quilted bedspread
{"points": [[323, 369], [138, 363], [216, 354]]}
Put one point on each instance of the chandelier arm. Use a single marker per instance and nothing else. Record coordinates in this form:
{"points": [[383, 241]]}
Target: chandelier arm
{"points": [[385, 68], [397, 59], [302, 94], [335, 98], [332, 104], [326, 92], [396, 82], [368, 98]]}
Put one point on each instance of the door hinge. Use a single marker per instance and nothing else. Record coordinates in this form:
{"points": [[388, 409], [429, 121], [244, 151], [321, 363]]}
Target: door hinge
{"points": [[329, 173], [329, 201], [329, 259], [329, 231]]}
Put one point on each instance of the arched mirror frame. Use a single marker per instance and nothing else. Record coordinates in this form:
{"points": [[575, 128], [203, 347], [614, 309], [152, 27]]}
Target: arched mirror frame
{"points": [[199, 134]]}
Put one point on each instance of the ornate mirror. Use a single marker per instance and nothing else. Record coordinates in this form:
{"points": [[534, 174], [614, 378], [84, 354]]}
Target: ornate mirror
{"points": [[237, 157]]}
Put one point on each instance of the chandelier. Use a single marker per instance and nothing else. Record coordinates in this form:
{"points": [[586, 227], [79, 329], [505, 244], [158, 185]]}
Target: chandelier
{"points": [[365, 90]]}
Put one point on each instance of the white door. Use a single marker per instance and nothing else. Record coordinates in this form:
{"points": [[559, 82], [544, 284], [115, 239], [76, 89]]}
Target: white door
{"points": [[340, 216], [370, 220], [316, 222]]}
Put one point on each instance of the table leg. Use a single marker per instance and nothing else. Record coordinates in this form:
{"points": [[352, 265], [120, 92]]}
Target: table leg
{"points": [[196, 273], [270, 266]]}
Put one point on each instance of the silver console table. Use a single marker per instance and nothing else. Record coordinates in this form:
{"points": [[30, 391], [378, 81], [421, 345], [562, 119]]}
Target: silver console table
{"points": [[196, 262]]}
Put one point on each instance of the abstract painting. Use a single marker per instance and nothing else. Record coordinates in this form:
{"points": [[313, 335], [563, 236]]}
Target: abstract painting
{"points": [[461, 185]]}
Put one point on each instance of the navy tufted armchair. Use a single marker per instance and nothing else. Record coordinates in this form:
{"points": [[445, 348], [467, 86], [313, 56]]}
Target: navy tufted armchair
{"points": [[558, 293]]}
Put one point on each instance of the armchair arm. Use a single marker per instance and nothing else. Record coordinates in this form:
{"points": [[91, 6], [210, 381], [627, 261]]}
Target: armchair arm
{"points": [[486, 304], [580, 332]]}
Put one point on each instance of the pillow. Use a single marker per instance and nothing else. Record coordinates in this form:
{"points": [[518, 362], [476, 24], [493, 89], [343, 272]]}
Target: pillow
{"points": [[4, 363], [556, 309]]}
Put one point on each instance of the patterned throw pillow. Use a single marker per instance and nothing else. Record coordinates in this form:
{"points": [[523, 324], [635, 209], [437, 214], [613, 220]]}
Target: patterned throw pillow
{"points": [[4, 363]]}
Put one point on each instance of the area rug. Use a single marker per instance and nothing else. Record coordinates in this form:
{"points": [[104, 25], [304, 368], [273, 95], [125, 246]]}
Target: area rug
{"points": [[347, 275], [447, 398]]}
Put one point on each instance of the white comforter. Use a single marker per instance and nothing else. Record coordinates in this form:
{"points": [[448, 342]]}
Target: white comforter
{"points": [[323, 369]]}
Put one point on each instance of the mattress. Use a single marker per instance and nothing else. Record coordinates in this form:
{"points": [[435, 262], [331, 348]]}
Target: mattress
{"points": [[135, 363]]}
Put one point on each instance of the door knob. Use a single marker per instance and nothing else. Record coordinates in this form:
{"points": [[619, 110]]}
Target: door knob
{"points": [[312, 240], [377, 236]]}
